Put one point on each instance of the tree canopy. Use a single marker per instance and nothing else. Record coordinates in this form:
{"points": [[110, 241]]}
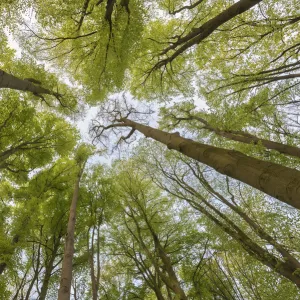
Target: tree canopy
{"points": [[186, 185]]}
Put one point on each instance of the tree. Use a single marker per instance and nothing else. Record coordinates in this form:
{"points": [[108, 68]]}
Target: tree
{"points": [[200, 222], [178, 180], [30, 139], [186, 114], [82, 155], [275, 180], [37, 225]]}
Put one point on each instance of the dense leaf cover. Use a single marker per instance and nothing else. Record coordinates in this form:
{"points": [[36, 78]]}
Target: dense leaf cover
{"points": [[186, 185]]}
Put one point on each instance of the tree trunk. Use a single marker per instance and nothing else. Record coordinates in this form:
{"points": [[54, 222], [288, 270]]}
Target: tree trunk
{"points": [[280, 266], [197, 35], [66, 273], [36, 270], [256, 228], [11, 82], [247, 138], [49, 268], [159, 294], [275, 180], [92, 266], [173, 282]]}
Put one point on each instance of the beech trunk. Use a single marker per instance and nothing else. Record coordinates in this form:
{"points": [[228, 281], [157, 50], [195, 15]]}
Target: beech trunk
{"points": [[279, 266], [48, 269], [66, 273], [11, 82], [280, 182], [247, 138]]}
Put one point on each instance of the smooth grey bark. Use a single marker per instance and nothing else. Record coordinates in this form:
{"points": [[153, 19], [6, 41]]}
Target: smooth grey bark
{"points": [[278, 181], [64, 291], [12, 82]]}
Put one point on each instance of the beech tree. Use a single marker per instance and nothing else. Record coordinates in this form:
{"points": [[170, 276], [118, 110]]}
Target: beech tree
{"points": [[278, 181], [186, 114], [180, 177], [82, 155], [197, 219]]}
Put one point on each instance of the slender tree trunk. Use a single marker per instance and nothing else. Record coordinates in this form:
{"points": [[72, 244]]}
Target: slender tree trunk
{"points": [[20, 288], [275, 180], [66, 273], [75, 290], [247, 138], [92, 266], [98, 255], [35, 277], [11, 82], [171, 280], [36, 270], [257, 228], [279, 266], [46, 279], [49, 268], [158, 294]]}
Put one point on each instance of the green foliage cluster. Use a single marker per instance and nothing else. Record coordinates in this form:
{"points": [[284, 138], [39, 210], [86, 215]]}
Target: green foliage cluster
{"points": [[153, 224]]}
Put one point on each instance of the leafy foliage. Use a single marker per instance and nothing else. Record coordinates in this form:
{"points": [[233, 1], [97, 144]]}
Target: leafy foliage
{"points": [[154, 223]]}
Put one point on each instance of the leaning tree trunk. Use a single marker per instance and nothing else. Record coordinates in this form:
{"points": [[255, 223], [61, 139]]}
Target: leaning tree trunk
{"points": [[66, 273], [49, 268], [282, 267], [280, 182], [247, 138], [11, 82], [172, 280]]}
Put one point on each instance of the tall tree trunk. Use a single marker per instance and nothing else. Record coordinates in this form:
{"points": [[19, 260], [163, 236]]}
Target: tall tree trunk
{"points": [[288, 257], [247, 138], [36, 269], [275, 180], [92, 266], [170, 279], [66, 273], [173, 282], [280, 266], [49, 268], [11, 82], [98, 255]]}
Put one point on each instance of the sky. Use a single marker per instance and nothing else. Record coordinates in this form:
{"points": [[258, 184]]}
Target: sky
{"points": [[83, 123]]}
